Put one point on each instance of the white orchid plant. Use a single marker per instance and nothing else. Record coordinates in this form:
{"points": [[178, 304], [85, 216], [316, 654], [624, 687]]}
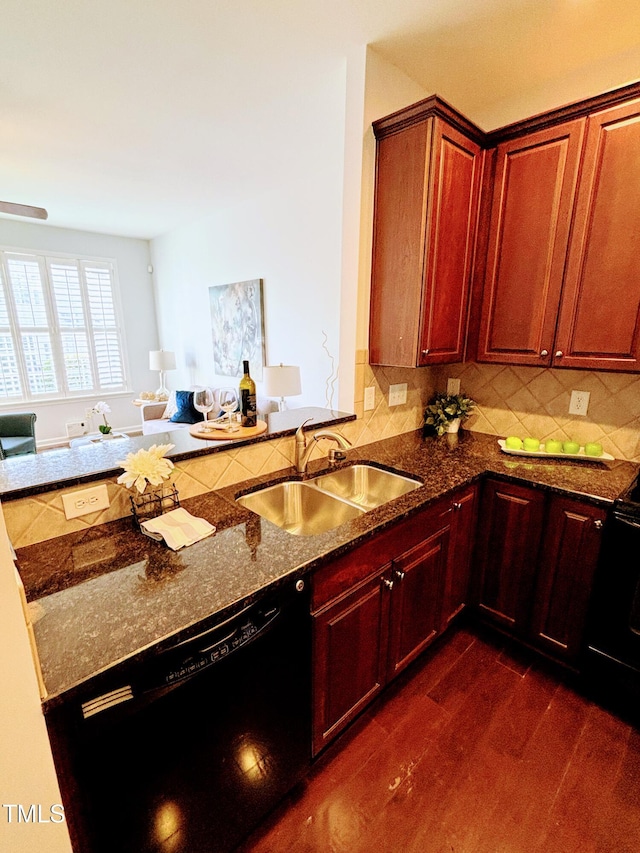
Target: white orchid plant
{"points": [[103, 409], [146, 467]]}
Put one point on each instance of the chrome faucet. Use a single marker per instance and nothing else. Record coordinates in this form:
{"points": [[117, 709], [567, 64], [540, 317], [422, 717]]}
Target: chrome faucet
{"points": [[303, 450]]}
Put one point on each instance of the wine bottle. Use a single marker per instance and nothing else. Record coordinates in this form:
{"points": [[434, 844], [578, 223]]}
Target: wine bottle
{"points": [[248, 404]]}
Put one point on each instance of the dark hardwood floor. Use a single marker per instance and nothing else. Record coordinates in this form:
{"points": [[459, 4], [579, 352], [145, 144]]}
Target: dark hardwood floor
{"points": [[477, 749]]}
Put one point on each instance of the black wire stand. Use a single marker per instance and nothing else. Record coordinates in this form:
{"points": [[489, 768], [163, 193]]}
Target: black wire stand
{"points": [[155, 502]]}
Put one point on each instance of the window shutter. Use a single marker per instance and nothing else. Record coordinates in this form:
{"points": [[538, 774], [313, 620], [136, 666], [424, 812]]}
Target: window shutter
{"points": [[62, 315]]}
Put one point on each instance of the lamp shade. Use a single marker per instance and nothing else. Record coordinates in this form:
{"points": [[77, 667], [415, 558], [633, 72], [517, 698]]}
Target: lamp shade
{"points": [[162, 359], [282, 381]]}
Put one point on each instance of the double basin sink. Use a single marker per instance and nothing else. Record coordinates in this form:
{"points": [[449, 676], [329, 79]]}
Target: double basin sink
{"points": [[307, 507]]}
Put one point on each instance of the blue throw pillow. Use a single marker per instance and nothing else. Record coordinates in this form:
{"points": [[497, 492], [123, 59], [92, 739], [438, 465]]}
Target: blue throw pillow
{"points": [[186, 413]]}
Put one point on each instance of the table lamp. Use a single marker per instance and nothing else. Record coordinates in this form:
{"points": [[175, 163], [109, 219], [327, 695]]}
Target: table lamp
{"points": [[162, 360], [282, 381]]}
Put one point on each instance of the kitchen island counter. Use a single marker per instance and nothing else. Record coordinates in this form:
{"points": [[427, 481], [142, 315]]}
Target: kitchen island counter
{"points": [[105, 596]]}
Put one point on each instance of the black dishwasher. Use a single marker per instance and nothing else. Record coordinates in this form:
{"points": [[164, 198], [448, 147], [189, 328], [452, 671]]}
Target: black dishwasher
{"points": [[187, 753]]}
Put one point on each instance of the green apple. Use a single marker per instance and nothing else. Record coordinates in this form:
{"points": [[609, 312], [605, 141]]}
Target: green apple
{"points": [[593, 448], [570, 447], [553, 445], [531, 443], [513, 442]]}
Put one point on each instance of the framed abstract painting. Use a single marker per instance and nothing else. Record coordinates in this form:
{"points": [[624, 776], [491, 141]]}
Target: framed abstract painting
{"points": [[237, 326]]}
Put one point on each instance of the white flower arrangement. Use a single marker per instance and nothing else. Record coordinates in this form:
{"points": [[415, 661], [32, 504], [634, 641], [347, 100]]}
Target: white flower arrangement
{"points": [[146, 467], [103, 409]]}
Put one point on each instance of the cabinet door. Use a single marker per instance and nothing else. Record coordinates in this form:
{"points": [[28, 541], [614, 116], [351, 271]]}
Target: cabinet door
{"points": [[402, 161], [509, 533], [415, 612], [456, 588], [428, 177], [533, 195], [565, 576], [350, 647], [454, 190], [599, 324]]}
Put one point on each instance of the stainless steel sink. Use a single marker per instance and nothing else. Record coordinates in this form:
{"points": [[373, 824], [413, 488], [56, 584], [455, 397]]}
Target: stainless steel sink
{"points": [[299, 508], [366, 485], [325, 502]]}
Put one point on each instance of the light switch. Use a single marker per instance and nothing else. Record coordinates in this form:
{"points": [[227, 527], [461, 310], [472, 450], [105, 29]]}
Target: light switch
{"points": [[369, 398]]}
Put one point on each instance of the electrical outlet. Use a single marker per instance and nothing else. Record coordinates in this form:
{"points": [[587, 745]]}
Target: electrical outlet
{"points": [[75, 428], [453, 386], [369, 398], [85, 501], [398, 394], [579, 404]]}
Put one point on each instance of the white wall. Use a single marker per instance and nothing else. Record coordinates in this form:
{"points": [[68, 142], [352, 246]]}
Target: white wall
{"points": [[137, 299], [27, 774], [291, 237]]}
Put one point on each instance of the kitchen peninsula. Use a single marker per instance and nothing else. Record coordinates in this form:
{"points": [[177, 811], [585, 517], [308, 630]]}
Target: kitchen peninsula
{"points": [[105, 594], [21, 476]]}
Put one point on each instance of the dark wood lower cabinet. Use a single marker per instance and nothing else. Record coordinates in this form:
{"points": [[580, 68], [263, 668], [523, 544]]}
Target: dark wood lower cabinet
{"points": [[415, 599], [566, 569], [461, 512], [508, 541], [349, 662], [537, 554], [378, 607], [524, 557]]}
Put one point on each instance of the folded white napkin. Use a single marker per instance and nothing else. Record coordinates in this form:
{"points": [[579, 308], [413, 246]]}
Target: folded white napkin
{"points": [[178, 528]]}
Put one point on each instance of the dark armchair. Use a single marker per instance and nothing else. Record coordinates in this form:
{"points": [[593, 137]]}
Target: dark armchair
{"points": [[17, 434]]}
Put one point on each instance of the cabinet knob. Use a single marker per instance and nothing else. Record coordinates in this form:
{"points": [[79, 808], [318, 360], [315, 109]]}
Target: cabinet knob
{"points": [[544, 353], [559, 354], [399, 574], [598, 524], [457, 506], [388, 583], [425, 352]]}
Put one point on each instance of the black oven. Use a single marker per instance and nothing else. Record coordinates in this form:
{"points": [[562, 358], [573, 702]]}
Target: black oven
{"points": [[613, 652]]}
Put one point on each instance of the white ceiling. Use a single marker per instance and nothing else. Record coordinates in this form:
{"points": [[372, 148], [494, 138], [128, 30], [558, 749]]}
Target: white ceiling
{"points": [[135, 116]]}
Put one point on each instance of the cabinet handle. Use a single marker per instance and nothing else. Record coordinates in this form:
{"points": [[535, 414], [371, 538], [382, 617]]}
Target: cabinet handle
{"points": [[425, 352], [559, 354], [457, 506], [399, 574], [388, 583], [544, 353], [598, 524]]}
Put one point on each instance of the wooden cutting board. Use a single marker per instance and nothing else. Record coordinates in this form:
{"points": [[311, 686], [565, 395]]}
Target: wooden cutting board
{"points": [[222, 435]]}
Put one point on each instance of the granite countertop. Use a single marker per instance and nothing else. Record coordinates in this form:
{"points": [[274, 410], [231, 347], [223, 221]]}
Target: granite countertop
{"points": [[21, 476], [109, 595]]}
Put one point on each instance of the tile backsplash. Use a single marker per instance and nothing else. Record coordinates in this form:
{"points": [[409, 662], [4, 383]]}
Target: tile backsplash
{"points": [[511, 401], [535, 401]]}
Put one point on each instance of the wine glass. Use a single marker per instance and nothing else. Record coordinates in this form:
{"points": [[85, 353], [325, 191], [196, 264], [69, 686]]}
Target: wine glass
{"points": [[203, 401], [228, 401]]}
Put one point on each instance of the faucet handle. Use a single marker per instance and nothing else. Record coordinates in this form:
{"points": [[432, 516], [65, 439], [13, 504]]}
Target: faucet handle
{"points": [[299, 432]]}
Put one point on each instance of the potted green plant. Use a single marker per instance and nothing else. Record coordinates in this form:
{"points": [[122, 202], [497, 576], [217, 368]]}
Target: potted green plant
{"points": [[445, 412]]}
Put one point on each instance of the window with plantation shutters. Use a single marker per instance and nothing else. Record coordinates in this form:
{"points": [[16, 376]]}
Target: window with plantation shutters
{"points": [[59, 328]]}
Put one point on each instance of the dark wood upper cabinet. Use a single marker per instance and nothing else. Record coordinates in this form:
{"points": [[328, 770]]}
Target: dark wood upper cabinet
{"points": [[533, 194], [542, 215], [428, 175], [599, 322]]}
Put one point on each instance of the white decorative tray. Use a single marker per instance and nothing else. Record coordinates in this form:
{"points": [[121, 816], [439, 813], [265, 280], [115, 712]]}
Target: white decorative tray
{"points": [[579, 455]]}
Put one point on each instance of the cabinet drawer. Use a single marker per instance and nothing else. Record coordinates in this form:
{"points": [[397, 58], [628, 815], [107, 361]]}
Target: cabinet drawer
{"points": [[338, 577]]}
